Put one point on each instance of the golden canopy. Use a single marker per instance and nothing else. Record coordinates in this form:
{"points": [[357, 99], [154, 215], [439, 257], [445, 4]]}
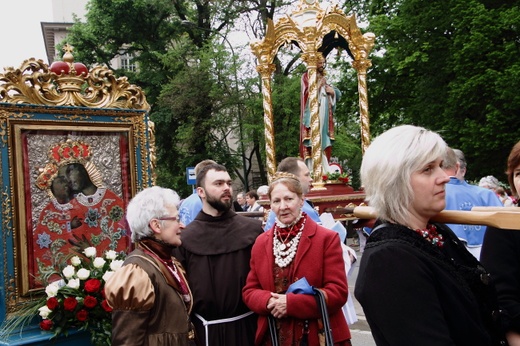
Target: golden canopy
{"points": [[315, 31]]}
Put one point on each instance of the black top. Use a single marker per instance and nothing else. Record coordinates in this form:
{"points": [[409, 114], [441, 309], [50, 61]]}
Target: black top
{"points": [[415, 293], [501, 256]]}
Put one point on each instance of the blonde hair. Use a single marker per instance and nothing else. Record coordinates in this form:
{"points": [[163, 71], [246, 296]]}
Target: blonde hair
{"points": [[388, 165]]}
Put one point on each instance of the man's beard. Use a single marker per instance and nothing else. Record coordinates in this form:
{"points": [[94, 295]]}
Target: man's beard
{"points": [[218, 204]]}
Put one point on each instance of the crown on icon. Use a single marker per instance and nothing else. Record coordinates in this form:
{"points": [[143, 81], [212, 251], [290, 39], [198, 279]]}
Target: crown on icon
{"points": [[70, 151], [65, 153]]}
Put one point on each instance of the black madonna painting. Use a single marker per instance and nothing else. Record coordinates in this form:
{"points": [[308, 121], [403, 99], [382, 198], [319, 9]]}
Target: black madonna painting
{"points": [[73, 200]]}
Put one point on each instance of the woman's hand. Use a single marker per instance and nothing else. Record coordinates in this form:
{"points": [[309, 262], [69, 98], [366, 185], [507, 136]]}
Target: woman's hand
{"points": [[277, 305]]}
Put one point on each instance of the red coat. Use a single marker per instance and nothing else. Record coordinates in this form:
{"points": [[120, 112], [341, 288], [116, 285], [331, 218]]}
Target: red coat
{"points": [[319, 259]]}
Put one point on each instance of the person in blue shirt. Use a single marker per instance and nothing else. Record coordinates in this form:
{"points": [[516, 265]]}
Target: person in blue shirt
{"points": [[192, 205], [296, 166], [462, 196]]}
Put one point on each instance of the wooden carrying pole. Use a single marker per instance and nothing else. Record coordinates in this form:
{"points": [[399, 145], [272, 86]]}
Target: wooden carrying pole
{"points": [[506, 218]]}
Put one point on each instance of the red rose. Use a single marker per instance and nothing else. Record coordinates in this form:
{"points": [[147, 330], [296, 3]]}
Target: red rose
{"points": [[105, 306], [82, 315], [90, 302], [46, 324], [70, 303], [325, 177], [92, 285], [52, 303]]}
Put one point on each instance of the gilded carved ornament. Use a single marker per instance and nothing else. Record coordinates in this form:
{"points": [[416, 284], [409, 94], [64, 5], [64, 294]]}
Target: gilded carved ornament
{"points": [[67, 83]]}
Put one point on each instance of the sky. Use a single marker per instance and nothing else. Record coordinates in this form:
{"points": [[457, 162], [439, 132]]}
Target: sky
{"points": [[22, 36]]}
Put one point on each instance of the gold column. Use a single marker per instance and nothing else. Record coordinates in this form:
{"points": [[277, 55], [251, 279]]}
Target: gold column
{"points": [[361, 67], [265, 71]]}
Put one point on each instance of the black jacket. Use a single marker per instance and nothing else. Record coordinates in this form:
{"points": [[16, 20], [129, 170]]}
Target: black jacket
{"points": [[415, 293], [501, 257]]}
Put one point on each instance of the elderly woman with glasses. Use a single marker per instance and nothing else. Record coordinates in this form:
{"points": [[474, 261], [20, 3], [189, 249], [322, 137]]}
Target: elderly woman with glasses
{"points": [[149, 293]]}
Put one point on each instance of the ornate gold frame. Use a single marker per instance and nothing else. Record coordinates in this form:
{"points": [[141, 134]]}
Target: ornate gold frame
{"points": [[33, 98], [307, 26]]}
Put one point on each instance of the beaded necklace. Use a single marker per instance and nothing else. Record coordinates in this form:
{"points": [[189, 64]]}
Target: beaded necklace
{"points": [[284, 250], [430, 234]]}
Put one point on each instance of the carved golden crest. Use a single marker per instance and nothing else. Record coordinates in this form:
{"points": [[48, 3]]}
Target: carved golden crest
{"points": [[34, 82]]}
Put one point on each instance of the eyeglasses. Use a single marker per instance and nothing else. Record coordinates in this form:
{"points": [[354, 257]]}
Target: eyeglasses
{"points": [[171, 218]]}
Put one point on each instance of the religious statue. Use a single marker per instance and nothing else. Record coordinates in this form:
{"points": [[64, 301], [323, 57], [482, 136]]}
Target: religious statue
{"points": [[328, 96]]}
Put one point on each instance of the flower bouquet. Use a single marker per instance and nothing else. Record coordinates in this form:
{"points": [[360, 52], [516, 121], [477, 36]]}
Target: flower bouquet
{"points": [[337, 176], [77, 300]]}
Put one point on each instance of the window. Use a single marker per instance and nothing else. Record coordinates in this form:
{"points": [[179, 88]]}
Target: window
{"points": [[127, 63]]}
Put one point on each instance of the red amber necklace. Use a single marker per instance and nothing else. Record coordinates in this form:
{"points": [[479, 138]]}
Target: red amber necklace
{"points": [[430, 234]]}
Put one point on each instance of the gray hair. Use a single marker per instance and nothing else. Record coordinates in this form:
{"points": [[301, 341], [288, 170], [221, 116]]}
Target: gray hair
{"points": [[450, 159], [151, 203], [389, 163], [489, 182], [460, 158]]}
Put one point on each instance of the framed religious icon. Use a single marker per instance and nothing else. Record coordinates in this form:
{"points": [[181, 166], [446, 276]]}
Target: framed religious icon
{"points": [[75, 146], [69, 179]]}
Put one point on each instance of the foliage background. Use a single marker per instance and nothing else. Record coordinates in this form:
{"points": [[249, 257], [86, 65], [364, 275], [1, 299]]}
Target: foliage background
{"points": [[451, 66]]}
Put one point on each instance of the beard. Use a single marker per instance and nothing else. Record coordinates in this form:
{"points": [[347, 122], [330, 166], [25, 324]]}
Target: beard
{"points": [[218, 204]]}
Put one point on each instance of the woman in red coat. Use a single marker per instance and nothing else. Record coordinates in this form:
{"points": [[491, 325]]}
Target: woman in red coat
{"points": [[294, 248]]}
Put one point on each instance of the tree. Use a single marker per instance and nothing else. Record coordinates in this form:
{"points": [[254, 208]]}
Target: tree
{"points": [[204, 102], [188, 79], [452, 67]]}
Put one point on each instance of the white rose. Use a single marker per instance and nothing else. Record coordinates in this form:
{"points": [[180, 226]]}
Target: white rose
{"points": [[99, 262], [83, 274], [111, 255], [115, 265], [44, 311], [73, 283], [75, 261], [90, 251], [52, 290], [108, 274], [68, 272]]}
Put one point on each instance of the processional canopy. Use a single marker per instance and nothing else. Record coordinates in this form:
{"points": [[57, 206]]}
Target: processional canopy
{"points": [[316, 30]]}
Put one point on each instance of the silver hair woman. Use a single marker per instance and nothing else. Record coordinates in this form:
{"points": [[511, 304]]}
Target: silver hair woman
{"points": [[151, 203], [149, 293], [430, 290]]}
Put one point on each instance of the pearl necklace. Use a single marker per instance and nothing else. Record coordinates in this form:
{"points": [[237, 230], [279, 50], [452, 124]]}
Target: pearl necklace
{"points": [[93, 199], [284, 253], [61, 207]]}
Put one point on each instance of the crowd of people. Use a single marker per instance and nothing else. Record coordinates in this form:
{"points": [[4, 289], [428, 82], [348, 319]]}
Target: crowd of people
{"points": [[222, 278]]}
